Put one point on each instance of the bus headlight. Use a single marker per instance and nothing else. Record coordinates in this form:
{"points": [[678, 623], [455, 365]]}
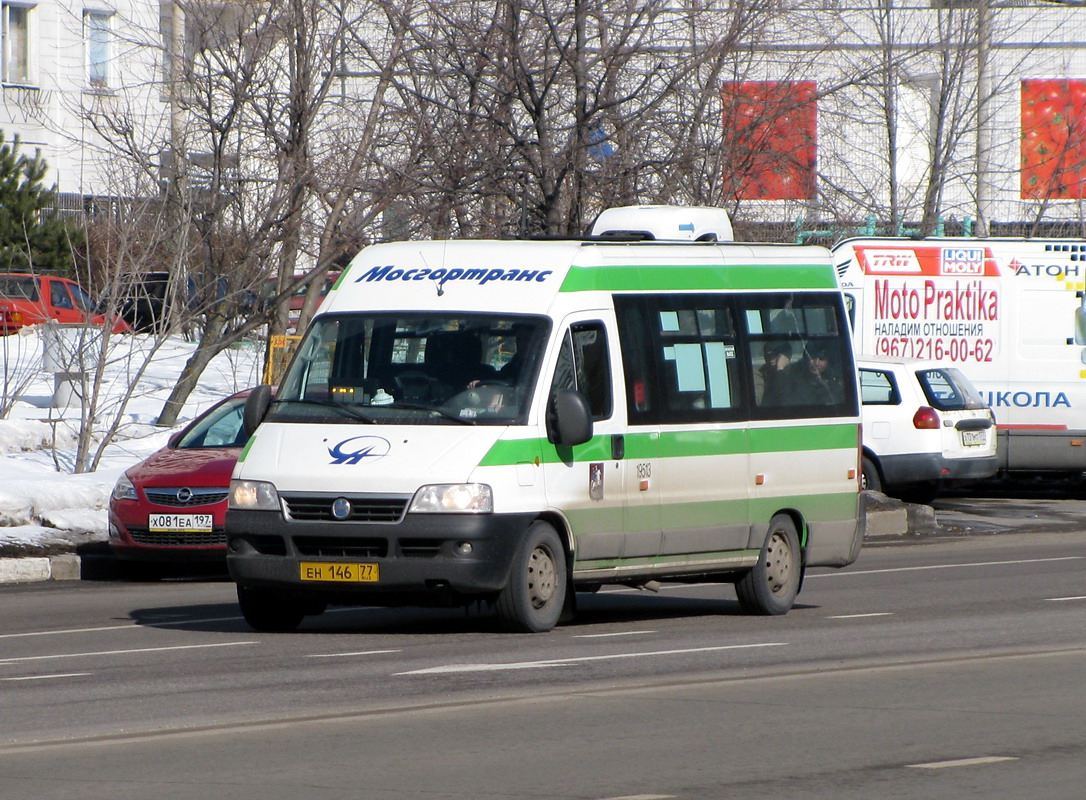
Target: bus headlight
{"points": [[253, 496], [454, 498]]}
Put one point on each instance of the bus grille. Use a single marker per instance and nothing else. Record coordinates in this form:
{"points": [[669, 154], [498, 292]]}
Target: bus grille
{"points": [[364, 508]]}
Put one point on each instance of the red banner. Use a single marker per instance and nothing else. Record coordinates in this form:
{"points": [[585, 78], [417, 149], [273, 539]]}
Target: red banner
{"points": [[1053, 139], [770, 139]]}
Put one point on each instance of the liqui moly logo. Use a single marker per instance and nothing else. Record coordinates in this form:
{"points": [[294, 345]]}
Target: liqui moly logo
{"points": [[961, 261]]}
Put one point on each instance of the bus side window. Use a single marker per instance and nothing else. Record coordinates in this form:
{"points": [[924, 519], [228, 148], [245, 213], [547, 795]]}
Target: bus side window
{"points": [[583, 365]]}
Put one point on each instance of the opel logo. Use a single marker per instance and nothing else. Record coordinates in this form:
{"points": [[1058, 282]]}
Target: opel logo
{"points": [[341, 508], [184, 495]]}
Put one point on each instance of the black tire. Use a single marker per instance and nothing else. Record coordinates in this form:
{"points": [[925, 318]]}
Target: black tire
{"points": [[771, 586], [871, 480], [269, 611], [532, 601]]}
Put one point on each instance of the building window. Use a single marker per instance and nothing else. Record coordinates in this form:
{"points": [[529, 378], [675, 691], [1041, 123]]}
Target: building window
{"points": [[15, 20], [97, 35]]}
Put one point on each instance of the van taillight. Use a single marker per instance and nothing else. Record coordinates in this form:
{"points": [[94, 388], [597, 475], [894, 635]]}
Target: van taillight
{"points": [[926, 418]]}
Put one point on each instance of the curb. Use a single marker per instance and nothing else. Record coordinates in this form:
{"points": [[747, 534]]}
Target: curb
{"points": [[33, 569]]}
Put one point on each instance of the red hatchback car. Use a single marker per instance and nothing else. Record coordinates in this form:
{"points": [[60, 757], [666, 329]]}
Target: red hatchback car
{"points": [[172, 505]]}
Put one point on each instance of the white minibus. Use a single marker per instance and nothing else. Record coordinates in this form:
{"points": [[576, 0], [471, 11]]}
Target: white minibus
{"points": [[513, 422]]}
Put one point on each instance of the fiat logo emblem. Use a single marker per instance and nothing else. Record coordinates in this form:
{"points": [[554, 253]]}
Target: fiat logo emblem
{"points": [[184, 495], [341, 508]]}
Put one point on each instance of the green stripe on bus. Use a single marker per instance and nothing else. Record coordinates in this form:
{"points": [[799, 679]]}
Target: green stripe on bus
{"points": [[693, 277], [828, 436], [245, 450], [678, 444], [828, 507]]}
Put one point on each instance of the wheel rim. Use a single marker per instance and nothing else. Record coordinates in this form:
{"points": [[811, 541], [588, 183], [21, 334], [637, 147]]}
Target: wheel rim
{"points": [[541, 578], [778, 563]]}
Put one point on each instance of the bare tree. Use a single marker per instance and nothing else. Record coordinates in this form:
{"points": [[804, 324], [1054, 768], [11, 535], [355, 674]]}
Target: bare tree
{"points": [[534, 116], [264, 163]]}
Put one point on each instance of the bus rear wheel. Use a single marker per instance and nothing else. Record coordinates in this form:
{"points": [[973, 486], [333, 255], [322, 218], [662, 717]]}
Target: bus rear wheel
{"points": [[532, 600], [771, 586]]}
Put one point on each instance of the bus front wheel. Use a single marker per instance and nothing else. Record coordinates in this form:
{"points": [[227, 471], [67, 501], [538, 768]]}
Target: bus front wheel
{"points": [[532, 600], [771, 586], [269, 611]]}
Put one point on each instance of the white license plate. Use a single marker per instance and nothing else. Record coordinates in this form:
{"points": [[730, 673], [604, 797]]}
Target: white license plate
{"points": [[973, 438], [184, 523]]}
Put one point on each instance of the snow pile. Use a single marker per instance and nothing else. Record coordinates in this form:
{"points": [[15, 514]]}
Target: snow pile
{"points": [[42, 505]]}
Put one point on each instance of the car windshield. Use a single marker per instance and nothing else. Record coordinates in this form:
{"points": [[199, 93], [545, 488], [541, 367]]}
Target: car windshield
{"points": [[947, 389], [220, 428], [413, 369]]}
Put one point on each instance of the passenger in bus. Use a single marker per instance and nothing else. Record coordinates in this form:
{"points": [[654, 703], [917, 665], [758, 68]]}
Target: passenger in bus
{"points": [[816, 379], [769, 377]]}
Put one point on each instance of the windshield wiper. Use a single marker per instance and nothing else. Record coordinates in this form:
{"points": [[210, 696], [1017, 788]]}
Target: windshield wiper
{"points": [[350, 411]]}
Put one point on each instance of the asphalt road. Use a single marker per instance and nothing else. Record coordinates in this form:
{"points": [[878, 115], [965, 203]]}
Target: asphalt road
{"points": [[952, 667]]}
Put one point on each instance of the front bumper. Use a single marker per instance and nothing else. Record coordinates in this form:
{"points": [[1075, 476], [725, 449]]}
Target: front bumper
{"points": [[435, 554], [131, 543]]}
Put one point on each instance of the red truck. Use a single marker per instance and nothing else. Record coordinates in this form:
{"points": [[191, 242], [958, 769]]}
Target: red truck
{"points": [[27, 299]]}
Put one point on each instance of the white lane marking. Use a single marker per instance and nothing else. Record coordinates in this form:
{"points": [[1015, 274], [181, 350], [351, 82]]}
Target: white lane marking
{"points": [[47, 677], [347, 655], [943, 566], [642, 797], [562, 662], [121, 652], [1061, 599], [962, 762], [862, 616], [608, 635]]}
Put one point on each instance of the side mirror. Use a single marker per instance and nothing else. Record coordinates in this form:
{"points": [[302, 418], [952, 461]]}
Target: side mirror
{"points": [[256, 407], [569, 419]]}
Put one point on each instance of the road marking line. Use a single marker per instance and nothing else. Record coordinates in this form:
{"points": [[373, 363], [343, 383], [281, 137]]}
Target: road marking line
{"points": [[642, 797], [47, 677], [1061, 599], [346, 655], [944, 566], [607, 635], [121, 652], [562, 662], [962, 762], [861, 616]]}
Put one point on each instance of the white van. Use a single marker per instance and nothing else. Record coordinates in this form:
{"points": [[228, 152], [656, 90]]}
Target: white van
{"points": [[511, 421], [1008, 312]]}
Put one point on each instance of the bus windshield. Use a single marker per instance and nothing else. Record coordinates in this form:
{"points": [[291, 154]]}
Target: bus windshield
{"points": [[413, 369]]}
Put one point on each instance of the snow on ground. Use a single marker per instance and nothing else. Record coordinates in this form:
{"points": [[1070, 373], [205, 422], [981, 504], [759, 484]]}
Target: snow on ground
{"points": [[44, 505]]}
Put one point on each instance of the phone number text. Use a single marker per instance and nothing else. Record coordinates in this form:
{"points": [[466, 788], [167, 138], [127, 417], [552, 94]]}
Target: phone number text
{"points": [[977, 350]]}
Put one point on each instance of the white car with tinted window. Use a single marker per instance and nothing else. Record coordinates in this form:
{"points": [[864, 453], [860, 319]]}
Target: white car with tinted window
{"points": [[925, 427]]}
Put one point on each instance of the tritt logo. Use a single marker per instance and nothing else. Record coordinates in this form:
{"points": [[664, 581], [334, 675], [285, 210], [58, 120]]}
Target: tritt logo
{"points": [[358, 448]]}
